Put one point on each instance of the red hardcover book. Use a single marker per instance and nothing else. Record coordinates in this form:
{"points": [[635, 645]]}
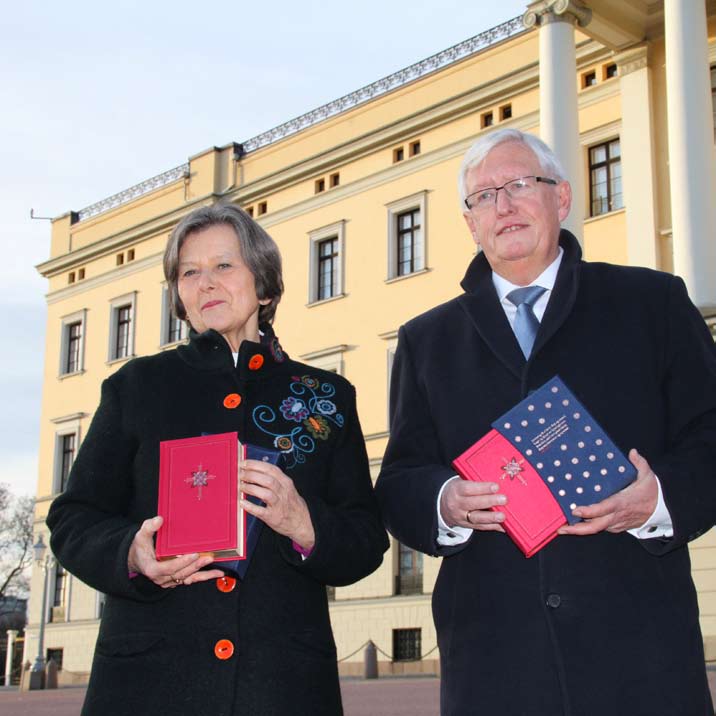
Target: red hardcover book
{"points": [[532, 515], [199, 497]]}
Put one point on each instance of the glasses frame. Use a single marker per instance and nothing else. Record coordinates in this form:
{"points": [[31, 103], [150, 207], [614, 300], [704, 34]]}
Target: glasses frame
{"points": [[544, 180]]}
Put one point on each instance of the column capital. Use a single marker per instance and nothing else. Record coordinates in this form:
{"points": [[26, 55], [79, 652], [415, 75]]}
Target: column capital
{"points": [[633, 59], [544, 12]]}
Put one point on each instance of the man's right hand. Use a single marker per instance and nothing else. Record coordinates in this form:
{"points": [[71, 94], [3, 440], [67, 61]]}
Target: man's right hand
{"points": [[467, 504]]}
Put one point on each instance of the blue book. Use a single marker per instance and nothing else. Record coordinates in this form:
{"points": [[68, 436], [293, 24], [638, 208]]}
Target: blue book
{"points": [[571, 452]]}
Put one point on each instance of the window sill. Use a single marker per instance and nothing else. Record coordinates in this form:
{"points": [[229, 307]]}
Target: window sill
{"points": [[173, 344], [394, 279], [591, 219], [114, 361], [337, 297], [63, 376]]}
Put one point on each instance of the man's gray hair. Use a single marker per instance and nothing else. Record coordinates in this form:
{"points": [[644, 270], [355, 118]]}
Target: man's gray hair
{"points": [[258, 251], [547, 159]]}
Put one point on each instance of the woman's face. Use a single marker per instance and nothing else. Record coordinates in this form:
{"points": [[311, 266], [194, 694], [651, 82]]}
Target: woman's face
{"points": [[216, 287]]}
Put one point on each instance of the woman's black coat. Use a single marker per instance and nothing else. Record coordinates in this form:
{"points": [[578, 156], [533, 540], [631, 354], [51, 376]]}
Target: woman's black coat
{"points": [[155, 650]]}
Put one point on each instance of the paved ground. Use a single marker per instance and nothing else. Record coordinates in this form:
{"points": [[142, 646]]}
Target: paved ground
{"points": [[383, 697]]}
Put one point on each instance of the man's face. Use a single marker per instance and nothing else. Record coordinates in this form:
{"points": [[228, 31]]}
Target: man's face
{"points": [[519, 237]]}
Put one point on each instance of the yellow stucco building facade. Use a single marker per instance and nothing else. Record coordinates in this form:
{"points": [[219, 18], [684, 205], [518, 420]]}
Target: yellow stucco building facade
{"points": [[361, 197]]}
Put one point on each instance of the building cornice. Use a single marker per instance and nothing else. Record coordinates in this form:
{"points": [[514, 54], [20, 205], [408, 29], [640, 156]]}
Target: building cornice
{"points": [[544, 12]]}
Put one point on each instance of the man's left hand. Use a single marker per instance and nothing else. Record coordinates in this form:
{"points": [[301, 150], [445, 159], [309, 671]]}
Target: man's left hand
{"points": [[625, 510]]}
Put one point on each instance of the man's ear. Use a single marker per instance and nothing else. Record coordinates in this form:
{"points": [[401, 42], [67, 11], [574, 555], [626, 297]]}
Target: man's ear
{"points": [[471, 225], [564, 197]]}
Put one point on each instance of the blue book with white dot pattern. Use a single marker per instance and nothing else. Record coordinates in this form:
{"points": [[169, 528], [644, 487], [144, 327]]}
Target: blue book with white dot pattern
{"points": [[571, 452]]}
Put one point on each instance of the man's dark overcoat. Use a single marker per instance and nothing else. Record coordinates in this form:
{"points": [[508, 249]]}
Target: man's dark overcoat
{"points": [[155, 650], [604, 624]]}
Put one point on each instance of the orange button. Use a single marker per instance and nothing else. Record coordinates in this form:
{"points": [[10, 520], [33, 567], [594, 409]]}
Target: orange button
{"points": [[223, 649], [256, 361], [232, 400], [225, 584]]}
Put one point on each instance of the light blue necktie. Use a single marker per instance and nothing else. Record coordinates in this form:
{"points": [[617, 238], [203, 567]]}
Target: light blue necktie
{"points": [[526, 323]]}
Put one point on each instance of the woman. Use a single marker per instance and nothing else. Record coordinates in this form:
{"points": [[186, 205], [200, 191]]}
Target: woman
{"points": [[183, 636]]}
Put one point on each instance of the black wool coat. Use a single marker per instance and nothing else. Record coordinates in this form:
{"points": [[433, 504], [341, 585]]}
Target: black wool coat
{"points": [[155, 649], [604, 624]]}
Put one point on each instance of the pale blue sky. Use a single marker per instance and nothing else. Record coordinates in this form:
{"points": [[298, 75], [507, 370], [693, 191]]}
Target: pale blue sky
{"points": [[95, 98]]}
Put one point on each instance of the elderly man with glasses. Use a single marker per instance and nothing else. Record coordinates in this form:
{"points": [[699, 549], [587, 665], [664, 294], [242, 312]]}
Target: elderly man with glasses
{"points": [[604, 619]]}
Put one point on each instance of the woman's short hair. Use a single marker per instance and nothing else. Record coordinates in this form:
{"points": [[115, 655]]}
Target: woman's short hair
{"points": [[482, 147], [258, 251]]}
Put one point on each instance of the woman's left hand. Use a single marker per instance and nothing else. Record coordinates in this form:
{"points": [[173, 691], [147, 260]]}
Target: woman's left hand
{"points": [[285, 511]]}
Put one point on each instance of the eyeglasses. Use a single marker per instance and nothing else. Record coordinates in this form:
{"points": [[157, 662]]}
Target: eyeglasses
{"points": [[516, 189]]}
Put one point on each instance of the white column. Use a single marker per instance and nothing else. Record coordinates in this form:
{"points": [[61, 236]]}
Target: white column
{"points": [[11, 635], [692, 168], [559, 112], [637, 151]]}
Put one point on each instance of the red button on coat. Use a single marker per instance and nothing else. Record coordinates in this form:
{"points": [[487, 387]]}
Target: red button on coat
{"points": [[223, 649], [226, 584], [232, 400], [256, 361]]}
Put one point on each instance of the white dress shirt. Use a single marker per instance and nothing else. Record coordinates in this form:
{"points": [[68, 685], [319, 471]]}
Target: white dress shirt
{"points": [[658, 525]]}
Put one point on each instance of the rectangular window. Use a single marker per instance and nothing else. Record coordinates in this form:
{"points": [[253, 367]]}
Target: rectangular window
{"points": [[68, 448], [605, 178], [486, 120], [58, 592], [263, 207], [130, 255], [250, 211], [56, 656], [327, 268], [713, 96], [124, 326], [319, 186], [80, 274], [120, 259], [326, 262], [589, 79], [72, 343], [335, 180], [505, 112], [71, 277], [173, 329], [415, 148], [610, 70], [398, 154], [74, 347], [407, 645], [409, 579], [408, 235]]}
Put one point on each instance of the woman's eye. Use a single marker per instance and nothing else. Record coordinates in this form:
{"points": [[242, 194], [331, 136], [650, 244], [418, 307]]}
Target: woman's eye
{"points": [[188, 273], [224, 266]]}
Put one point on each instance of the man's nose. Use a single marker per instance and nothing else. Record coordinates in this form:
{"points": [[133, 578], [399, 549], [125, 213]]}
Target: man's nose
{"points": [[503, 201]]}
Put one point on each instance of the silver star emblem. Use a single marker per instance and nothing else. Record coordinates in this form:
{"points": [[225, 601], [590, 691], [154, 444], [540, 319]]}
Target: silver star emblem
{"points": [[199, 478], [512, 469]]}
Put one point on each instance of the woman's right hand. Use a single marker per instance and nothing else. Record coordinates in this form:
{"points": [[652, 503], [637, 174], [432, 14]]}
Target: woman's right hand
{"points": [[168, 573]]}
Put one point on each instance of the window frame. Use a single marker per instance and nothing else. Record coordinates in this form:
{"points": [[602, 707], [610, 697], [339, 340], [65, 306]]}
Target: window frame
{"points": [[607, 164], [316, 237], [416, 647], [128, 300], [395, 210], [66, 326], [166, 322], [330, 359], [68, 425]]}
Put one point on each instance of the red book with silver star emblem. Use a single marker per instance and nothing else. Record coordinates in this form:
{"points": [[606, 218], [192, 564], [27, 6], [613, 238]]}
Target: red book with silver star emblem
{"points": [[532, 515], [199, 497], [548, 455]]}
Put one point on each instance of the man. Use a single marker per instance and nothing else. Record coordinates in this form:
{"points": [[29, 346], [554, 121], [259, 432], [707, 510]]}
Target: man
{"points": [[604, 619]]}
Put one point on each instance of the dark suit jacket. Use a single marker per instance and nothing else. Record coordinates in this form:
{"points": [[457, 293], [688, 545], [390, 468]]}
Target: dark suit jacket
{"points": [[155, 651], [604, 624]]}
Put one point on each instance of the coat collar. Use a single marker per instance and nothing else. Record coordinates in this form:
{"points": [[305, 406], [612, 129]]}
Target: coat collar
{"points": [[482, 305], [209, 351]]}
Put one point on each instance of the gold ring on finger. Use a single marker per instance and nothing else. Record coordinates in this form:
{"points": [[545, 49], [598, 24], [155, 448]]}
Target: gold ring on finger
{"points": [[467, 516]]}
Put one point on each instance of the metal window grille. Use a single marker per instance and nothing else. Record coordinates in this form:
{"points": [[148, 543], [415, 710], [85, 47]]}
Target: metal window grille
{"points": [[407, 645]]}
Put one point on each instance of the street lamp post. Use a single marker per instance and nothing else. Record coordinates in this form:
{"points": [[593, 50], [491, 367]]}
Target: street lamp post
{"points": [[45, 562]]}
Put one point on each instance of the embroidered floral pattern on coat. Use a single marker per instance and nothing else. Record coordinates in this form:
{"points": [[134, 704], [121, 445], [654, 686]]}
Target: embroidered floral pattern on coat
{"points": [[310, 406]]}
